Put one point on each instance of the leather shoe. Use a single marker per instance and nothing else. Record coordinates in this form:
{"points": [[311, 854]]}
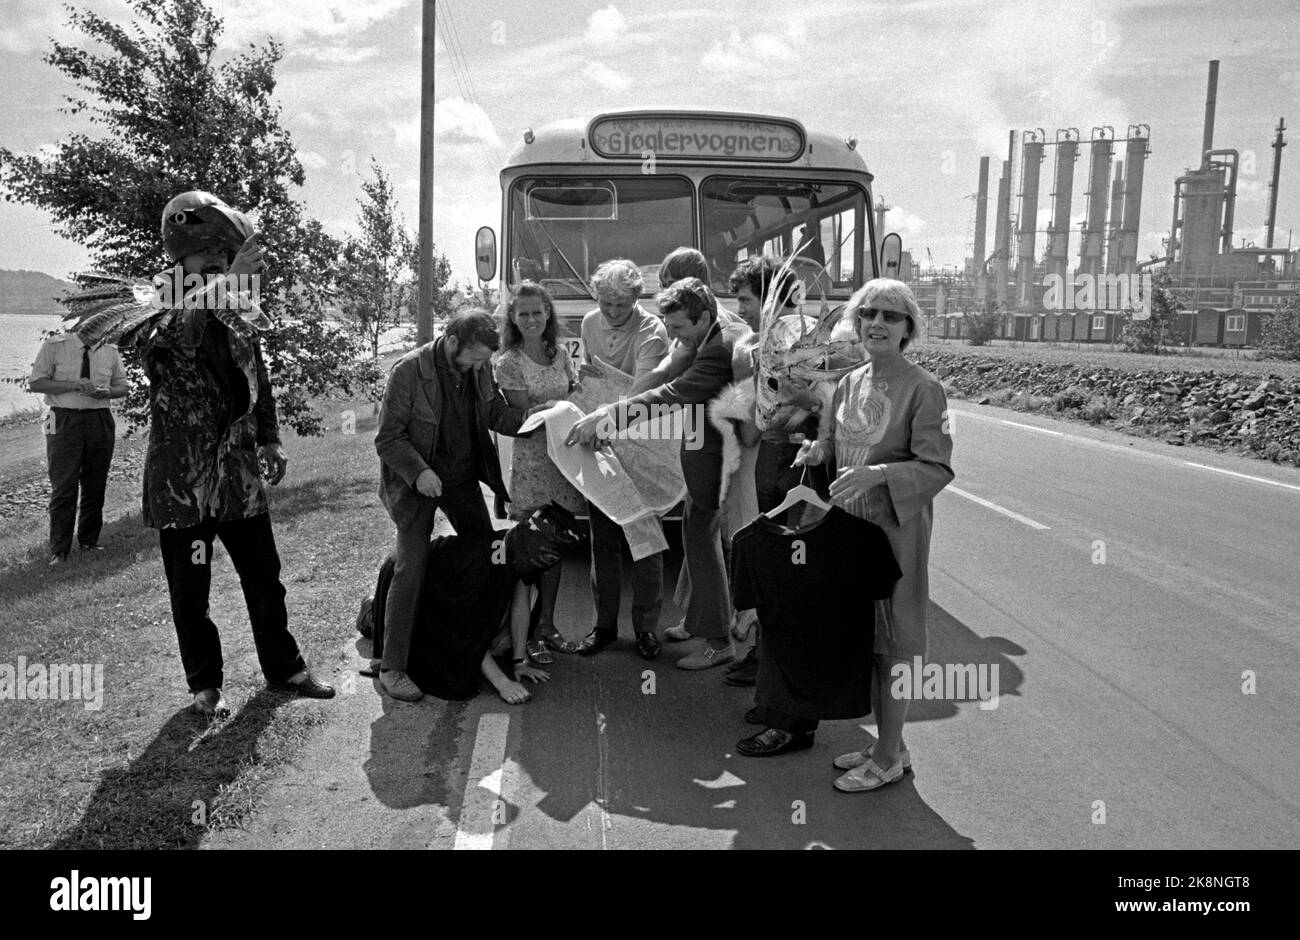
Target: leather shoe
{"points": [[595, 641], [773, 741], [647, 644], [755, 716], [706, 657], [308, 687]]}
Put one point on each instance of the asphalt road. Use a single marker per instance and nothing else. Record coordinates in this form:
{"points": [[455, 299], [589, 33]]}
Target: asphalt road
{"points": [[1141, 613]]}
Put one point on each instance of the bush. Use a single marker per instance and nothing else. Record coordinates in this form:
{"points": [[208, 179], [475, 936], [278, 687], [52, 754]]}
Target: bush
{"points": [[1280, 331], [1099, 408], [1076, 396], [982, 327]]}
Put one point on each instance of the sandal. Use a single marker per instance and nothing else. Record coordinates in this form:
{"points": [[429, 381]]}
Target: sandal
{"points": [[870, 776], [855, 759], [556, 641], [536, 650]]}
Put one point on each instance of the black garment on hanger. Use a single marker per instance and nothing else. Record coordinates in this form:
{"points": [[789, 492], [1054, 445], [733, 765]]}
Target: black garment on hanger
{"points": [[815, 590]]}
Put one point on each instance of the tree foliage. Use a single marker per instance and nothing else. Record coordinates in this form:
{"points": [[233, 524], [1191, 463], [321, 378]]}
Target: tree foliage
{"points": [[168, 114], [1151, 334], [982, 325], [1280, 331]]}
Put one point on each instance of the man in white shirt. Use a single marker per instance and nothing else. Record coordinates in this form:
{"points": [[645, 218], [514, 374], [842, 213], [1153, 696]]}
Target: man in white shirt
{"points": [[621, 333], [77, 383]]}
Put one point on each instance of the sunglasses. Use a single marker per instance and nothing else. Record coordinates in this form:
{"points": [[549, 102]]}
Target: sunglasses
{"points": [[891, 316]]}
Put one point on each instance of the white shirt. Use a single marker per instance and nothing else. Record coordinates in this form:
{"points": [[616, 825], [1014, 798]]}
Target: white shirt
{"points": [[60, 359]]}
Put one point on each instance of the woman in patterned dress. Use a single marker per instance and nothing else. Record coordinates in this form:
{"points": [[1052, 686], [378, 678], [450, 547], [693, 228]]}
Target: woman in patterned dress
{"points": [[889, 437], [533, 370]]}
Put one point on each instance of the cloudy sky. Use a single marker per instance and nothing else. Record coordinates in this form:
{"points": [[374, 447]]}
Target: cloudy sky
{"points": [[927, 87]]}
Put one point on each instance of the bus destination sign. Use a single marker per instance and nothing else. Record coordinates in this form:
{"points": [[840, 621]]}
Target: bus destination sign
{"points": [[697, 137]]}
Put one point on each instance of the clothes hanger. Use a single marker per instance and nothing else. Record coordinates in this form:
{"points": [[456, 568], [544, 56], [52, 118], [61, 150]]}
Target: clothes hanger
{"points": [[800, 493]]}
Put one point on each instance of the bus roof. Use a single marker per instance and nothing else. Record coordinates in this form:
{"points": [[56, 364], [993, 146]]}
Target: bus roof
{"points": [[570, 142]]}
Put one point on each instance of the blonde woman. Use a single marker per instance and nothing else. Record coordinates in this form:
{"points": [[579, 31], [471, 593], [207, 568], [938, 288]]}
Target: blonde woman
{"points": [[890, 442]]}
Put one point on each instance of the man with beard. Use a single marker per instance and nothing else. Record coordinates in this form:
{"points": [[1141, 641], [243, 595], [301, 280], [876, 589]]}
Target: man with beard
{"points": [[473, 604]]}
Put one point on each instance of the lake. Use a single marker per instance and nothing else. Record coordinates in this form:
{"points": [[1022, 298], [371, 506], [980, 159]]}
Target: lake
{"points": [[20, 340]]}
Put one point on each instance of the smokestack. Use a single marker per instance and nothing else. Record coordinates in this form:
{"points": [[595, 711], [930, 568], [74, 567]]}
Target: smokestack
{"points": [[1278, 144], [1058, 238], [1002, 235], [981, 216], [1094, 225], [1027, 227], [1116, 220], [1136, 151], [1211, 96]]}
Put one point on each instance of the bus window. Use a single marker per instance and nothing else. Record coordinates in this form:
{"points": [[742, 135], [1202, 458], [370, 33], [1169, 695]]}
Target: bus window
{"points": [[823, 222], [562, 228]]}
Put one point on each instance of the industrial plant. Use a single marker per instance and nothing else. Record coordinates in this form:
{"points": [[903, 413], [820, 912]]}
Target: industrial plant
{"points": [[1224, 290]]}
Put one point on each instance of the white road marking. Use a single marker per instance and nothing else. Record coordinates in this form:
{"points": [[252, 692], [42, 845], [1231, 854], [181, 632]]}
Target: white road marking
{"points": [[1244, 476], [484, 785], [1025, 520], [1133, 451], [1027, 427]]}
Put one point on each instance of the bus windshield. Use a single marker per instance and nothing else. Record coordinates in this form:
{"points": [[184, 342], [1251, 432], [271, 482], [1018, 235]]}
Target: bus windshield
{"points": [[823, 221], [562, 228]]}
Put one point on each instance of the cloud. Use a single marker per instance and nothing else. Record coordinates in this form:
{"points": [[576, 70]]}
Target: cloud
{"points": [[334, 54], [898, 219], [761, 52], [312, 160], [605, 27], [602, 75], [290, 21], [29, 25], [457, 121]]}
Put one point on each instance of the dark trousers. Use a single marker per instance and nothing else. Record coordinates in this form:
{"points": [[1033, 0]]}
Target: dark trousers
{"points": [[79, 453], [791, 723], [607, 578], [465, 509], [187, 559], [709, 612]]}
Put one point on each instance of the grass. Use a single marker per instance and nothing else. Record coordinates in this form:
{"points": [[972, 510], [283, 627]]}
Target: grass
{"points": [[142, 772]]}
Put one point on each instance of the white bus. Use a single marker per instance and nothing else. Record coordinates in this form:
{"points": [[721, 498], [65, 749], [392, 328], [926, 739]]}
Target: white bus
{"points": [[637, 184]]}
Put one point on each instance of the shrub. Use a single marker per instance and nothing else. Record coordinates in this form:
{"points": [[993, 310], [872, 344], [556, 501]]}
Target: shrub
{"points": [[1076, 396], [1099, 408]]}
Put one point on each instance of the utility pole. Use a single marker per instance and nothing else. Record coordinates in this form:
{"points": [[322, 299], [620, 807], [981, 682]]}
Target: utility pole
{"points": [[424, 303]]}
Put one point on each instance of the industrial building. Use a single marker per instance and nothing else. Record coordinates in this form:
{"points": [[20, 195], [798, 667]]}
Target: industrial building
{"points": [[1224, 289]]}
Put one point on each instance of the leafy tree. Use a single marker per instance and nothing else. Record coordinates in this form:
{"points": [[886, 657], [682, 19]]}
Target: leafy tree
{"points": [[982, 325], [168, 118], [1151, 334], [1280, 331], [377, 275]]}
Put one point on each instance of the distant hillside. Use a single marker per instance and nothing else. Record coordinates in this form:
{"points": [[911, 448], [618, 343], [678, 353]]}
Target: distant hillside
{"points": [[30, 292]]}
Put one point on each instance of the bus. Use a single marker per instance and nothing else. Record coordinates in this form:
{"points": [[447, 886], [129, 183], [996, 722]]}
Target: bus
{"points": [[637, 184]]}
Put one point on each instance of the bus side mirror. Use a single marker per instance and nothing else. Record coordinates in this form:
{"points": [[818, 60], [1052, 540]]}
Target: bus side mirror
{"points": [[485, 253], [891, 255]]}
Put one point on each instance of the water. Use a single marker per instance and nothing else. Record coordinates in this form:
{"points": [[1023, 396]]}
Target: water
{"points": [[20, 340]]}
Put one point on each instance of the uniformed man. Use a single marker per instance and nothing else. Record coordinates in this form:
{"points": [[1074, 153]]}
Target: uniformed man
{"points": [[77, 383]]}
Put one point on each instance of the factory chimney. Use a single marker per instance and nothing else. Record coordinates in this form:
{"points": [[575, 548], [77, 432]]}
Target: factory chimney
{"points": [[1278, 144], [1211, 97]]}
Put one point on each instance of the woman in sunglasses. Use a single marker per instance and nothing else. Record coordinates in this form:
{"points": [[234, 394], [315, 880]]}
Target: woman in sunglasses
{"points": [[889, 438]]}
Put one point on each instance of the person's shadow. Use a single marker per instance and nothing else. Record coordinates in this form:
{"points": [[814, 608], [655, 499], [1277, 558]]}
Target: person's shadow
{"points": [[179, 787]]}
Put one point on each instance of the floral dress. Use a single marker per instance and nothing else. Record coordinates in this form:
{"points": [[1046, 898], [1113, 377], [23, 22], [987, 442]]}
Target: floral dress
{"points": [[534, 479], [901, 422]]}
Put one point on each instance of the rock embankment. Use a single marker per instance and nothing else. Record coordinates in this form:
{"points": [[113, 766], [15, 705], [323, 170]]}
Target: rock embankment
{"points": [[1252, 414]]}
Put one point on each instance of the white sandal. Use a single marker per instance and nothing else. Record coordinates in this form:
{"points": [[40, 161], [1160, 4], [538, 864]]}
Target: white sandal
{"points": [[855, 759], [870, 776]]}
